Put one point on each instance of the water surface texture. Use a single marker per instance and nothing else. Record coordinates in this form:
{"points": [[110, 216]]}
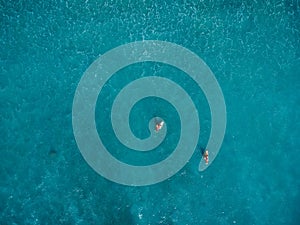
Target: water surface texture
{"points": [[253, 49]]}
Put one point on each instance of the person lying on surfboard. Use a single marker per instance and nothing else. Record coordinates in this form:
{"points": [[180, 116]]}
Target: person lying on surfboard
{"points": [[205, 156]]}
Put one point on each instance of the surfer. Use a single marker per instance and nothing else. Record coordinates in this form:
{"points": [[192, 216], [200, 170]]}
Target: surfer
{"points": [[159, 125], [205, 156]]}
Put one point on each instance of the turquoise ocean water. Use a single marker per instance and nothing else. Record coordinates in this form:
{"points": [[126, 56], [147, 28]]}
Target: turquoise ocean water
{"points": [[253, 48]]}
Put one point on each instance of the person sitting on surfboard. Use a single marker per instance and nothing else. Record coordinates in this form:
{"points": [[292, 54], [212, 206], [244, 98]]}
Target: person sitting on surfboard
{"points": [[205, 156], [159, 125]]}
